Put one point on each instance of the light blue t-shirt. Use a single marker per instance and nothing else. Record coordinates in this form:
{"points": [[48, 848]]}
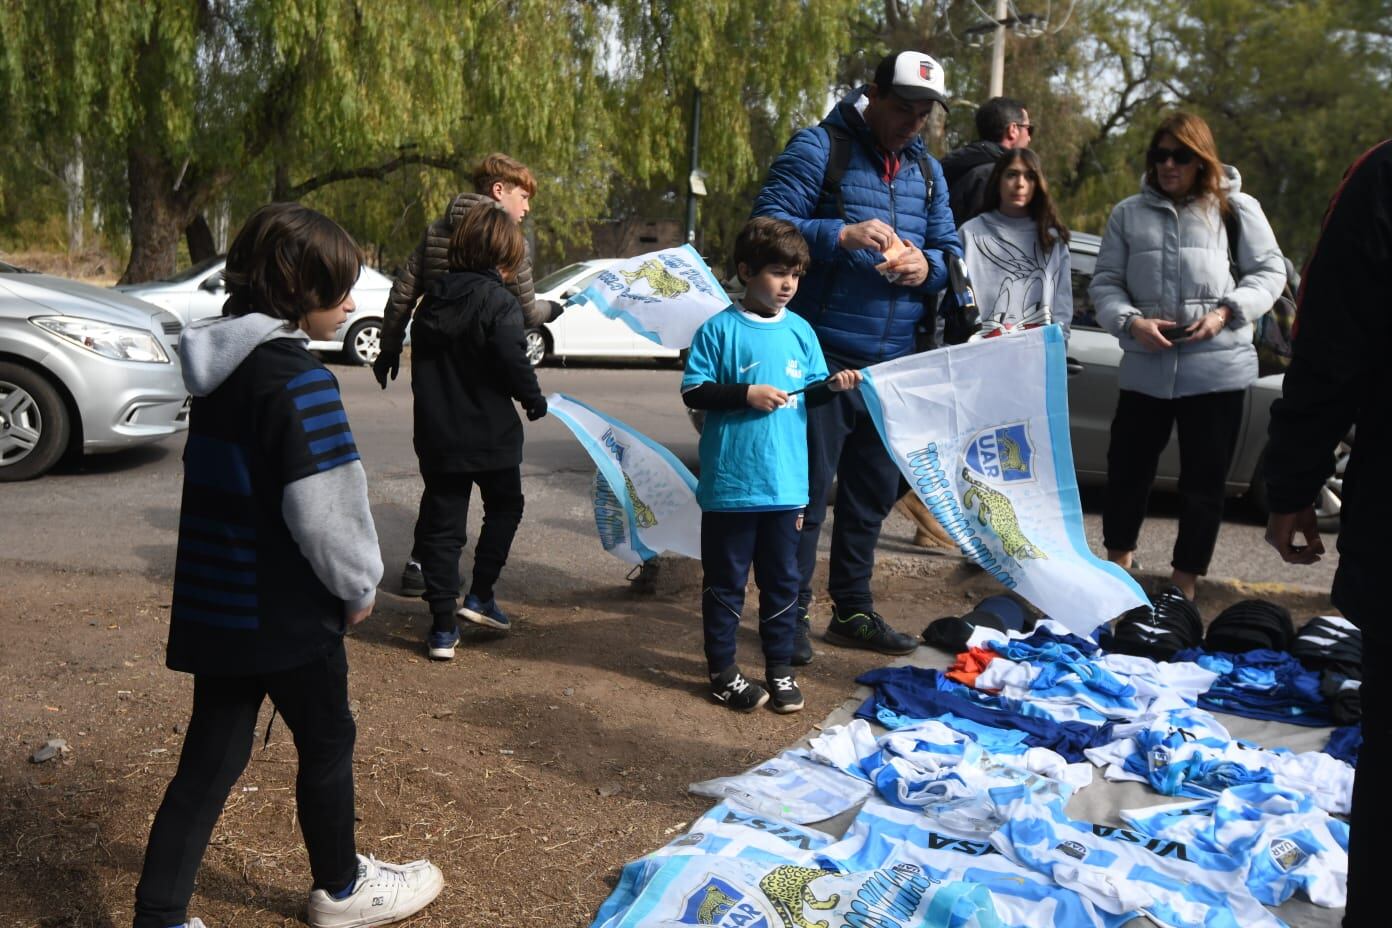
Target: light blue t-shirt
{"points": [[754, 460]]}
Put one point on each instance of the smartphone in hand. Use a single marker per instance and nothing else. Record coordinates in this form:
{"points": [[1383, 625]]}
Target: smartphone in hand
{"points": [[1176, 334]]}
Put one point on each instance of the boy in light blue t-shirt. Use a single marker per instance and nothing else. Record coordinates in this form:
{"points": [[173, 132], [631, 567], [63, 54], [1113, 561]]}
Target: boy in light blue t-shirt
{"points": [[748, 368]]}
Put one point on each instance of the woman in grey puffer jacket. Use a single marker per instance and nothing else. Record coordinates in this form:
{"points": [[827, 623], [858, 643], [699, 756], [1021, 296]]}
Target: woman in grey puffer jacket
{"points": [[1166, 287]]}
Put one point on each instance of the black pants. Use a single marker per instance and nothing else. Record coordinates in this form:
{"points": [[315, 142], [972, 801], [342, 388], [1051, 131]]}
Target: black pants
{"points": [[313, 700], [441, 531], [1360, 593], [730, 542], [1208, 432], [842, 443]]}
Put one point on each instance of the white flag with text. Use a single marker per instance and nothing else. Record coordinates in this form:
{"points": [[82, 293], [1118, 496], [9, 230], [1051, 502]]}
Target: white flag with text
{"points": [[644, 498], [981, 433], [664, 295]]}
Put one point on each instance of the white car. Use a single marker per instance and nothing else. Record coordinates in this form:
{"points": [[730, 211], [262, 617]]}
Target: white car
{"points": [[583, 331], [198, 292]]}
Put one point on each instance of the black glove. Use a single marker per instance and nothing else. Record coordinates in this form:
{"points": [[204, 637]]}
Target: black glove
{"points": [[387, 366], [536, 410]]}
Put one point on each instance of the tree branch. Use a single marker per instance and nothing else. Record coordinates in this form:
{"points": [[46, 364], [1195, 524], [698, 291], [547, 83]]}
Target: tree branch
{"points": [[375, 172]]}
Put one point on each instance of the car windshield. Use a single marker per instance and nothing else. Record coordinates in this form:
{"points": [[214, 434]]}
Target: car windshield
{"points": [[556, 278], [588, 279], [198, 270]]}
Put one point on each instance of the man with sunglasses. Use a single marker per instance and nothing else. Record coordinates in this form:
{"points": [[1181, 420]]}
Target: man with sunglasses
{"points": [[1002, 124]]}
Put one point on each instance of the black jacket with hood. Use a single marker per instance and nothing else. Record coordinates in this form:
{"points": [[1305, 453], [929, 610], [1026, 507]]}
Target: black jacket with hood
{"points": [[967, 169], [468, 363]]}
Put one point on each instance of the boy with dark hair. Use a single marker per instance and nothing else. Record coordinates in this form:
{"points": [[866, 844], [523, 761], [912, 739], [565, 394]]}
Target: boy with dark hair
{"points": [[748, 368], [468, 363], [277, 555]]}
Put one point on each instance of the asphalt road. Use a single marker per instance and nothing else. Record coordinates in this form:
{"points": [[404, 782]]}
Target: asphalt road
{"points": [[120, 512]]}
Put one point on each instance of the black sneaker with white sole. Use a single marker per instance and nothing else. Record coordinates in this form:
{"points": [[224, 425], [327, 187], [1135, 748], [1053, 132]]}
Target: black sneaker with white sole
{"points": [[734, 690], [867, 630], [784, 695], [412, 580]]}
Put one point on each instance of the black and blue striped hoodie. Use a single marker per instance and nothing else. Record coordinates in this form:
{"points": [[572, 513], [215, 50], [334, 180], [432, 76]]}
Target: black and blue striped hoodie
{"points": [[276, 540]]}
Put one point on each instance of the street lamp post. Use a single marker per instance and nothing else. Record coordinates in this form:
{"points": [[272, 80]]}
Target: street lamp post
{"points": [[1025, 26], [998, 50]]}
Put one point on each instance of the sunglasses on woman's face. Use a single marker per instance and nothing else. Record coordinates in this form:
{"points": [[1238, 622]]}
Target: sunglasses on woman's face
{"points": [[1180, 156]]}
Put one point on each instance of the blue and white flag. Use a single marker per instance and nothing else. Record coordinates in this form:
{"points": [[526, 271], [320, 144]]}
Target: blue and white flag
{"points": [[644, 498], [663, 295], [981, 432]]}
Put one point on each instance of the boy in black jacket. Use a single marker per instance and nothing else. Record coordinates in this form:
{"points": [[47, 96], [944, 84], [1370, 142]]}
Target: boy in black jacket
{"points": [[277, 556], [468, 363]]}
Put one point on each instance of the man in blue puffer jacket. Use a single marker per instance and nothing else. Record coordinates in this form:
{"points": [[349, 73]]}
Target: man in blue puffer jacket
{"points": [[890, 191]]}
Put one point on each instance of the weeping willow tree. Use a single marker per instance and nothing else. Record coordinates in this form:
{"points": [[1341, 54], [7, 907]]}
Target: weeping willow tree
{"points": [[187, 99]]}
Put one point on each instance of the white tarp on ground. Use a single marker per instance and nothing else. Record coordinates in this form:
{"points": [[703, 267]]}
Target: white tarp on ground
{"points": [[981, 432], [663, 295], [644, 498]]}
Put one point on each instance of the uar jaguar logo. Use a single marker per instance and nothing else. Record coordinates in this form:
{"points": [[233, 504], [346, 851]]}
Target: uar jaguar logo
{"points": [[1287, 854], [1073, 849], [716, 902], [1004, 453]]}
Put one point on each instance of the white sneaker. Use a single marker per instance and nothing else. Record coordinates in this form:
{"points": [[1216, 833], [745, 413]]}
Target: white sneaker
{"points": [[384, 893]]}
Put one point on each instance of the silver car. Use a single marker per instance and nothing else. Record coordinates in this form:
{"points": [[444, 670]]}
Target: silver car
{"points": [[82, 368], [198, 292]]}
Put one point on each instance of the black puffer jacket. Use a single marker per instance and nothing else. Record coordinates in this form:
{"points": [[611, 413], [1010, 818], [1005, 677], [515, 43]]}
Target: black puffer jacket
{"points": [[967, 169], [1337, 377], [430, 261], [468, 363]]}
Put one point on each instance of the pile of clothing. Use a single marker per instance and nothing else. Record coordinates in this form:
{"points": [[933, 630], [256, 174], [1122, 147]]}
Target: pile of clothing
{"points": [[958, 815]]}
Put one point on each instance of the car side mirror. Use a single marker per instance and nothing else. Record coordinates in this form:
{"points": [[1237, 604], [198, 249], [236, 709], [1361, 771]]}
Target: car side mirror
{"points": [[213, 283]]}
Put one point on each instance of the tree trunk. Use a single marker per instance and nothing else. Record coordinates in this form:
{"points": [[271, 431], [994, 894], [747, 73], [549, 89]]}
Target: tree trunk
{"points": [[158, 216], [73, 187], [201, 245]]}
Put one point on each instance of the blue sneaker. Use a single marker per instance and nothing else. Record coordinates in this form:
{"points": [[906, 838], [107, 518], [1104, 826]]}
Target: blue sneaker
{"points": [[482, 613], [442, 644]]}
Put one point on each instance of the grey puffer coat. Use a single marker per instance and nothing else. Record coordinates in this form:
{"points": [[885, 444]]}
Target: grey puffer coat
{"points": [[430, 262], [1165, 260]]}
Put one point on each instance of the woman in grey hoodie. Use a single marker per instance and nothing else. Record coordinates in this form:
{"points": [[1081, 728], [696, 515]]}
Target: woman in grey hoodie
{"points": [[1182, 303]]}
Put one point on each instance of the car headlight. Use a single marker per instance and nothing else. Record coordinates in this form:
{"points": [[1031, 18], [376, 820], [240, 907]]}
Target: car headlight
{"points": [[118, 342]]}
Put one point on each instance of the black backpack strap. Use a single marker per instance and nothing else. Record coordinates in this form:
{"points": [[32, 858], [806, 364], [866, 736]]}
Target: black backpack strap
{"points": [[838, 157], [927, 173], [1234, 227]]}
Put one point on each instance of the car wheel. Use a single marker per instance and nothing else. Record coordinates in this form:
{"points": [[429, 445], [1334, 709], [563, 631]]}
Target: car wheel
{"points": [[34, 424], [363, 343], [1329, 503], [537, 346]]}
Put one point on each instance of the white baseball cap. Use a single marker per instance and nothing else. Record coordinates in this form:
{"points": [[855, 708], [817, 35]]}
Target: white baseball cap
{"points": [[912, 76]]}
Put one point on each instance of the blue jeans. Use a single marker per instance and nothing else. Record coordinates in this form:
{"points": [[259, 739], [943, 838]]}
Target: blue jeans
{"points": [[730, 542], [843, 444]]}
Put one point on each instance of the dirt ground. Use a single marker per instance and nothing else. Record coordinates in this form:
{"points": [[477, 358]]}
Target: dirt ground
{"points": [[529, 769]]}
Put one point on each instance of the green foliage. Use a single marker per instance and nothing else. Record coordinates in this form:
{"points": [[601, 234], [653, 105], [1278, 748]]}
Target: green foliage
{"points": [[375, 112]]}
